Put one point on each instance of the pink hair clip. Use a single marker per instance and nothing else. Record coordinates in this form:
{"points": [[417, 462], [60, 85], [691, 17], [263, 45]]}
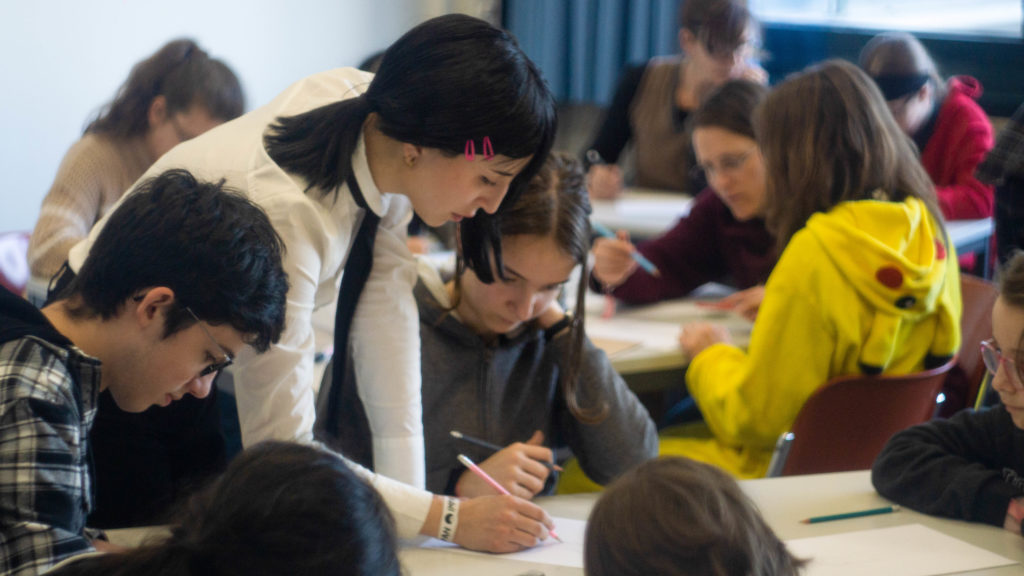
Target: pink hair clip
{"points": [[488, 151]]}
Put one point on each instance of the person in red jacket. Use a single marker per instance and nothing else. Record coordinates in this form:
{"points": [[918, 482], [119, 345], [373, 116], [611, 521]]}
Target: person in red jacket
{"points": [[950, 129]]}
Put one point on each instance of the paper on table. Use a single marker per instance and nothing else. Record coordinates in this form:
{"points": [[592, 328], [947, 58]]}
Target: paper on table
{"points": [[569, 552], [911, 550], [613, 346]]}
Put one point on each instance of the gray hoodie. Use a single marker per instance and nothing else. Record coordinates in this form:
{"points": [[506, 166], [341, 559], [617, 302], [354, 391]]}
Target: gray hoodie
{"points": [[503, 391]]}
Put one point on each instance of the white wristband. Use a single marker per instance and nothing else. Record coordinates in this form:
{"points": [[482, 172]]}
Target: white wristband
{"points": [[449, 519]]}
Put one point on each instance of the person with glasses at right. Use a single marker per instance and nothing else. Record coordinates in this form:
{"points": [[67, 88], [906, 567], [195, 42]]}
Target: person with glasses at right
{"points": [[652, 101], [971, 466], [723, 238]]}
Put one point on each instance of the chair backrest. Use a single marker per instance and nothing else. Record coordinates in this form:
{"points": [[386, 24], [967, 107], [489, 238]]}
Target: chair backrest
{"points": [[979, 296], [14, 261], [845, 423]]}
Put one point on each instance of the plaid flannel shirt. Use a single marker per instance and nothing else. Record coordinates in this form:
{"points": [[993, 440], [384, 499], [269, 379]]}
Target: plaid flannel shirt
{"points": [[48, 400], [1007, 157]]}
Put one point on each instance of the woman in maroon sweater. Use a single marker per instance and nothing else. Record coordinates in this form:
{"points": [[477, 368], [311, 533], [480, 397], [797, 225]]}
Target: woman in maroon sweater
{"points": [[952, 132], [723, 238]]}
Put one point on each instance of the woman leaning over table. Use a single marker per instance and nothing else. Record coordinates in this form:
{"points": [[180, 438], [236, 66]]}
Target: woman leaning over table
{"points": [[456, 117], [723, 238], [866, 282]]}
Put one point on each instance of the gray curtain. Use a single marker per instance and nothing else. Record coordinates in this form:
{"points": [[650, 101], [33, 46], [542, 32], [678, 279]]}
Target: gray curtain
{"points": [[583, 45]]}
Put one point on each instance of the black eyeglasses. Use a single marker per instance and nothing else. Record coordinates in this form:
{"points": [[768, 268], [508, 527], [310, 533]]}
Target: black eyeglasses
{"points": [[216, 366]]}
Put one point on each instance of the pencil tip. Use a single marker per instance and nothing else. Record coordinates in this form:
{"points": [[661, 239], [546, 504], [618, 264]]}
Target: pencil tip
{"points": [[455, 433], [805, 521]]}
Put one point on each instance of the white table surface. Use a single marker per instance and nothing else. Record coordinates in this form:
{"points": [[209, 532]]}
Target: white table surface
{"points": [[644, 212], [783, 502], [655, 328]]}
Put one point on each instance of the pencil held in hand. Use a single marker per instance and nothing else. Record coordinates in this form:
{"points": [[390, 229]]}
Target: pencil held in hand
{"points": [[644, 263], [494, 483]]}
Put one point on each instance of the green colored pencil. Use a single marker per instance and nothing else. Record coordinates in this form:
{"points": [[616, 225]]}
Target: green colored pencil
{"points": [[858, 514]]}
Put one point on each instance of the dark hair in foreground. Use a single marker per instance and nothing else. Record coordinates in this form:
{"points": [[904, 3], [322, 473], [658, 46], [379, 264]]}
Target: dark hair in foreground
{"points": [[451, 79], [679, 517], [214, 248], [556, 204], [184, 75], [828, 137], [731, 107], [1011, 290], [279, 509]]}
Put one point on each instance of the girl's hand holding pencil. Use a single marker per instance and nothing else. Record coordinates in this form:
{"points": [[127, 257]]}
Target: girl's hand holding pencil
{"points": [[521, 468]]}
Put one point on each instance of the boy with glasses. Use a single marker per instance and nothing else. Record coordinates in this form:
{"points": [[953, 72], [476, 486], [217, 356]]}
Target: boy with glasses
{"points": [[184, 276], [971, 467]]}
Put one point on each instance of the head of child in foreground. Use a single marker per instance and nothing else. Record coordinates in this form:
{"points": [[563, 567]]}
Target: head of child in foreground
{"points": [[279, 508], [1004, 354], [678, 517]]}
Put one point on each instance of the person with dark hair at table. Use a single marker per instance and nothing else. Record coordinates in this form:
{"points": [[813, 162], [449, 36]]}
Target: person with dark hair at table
{"points": [[151, 317]]}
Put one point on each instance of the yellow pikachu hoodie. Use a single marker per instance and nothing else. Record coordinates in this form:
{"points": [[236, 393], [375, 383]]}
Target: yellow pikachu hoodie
{"points": [[868, 287]]}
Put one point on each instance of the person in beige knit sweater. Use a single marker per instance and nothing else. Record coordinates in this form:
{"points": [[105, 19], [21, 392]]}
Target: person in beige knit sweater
{"points": [[174, 95]]}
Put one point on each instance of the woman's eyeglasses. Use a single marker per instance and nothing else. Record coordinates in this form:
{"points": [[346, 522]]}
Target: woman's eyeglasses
{"points": [[993, 358], [728, 165]]}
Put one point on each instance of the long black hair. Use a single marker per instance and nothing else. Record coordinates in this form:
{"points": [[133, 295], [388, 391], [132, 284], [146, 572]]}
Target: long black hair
{"points": [[181, 72], [451, 79]]}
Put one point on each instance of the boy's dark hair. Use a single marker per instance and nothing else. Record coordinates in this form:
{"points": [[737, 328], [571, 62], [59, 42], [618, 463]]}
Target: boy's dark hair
{"points": [[280, 508], [451, 79], [182, 73], [679, 517], [214, 248]]}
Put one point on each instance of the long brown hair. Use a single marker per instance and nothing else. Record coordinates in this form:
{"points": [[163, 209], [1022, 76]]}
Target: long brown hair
{"points": [[555, 204], [181, 72], [828, 137], [679, 517]]}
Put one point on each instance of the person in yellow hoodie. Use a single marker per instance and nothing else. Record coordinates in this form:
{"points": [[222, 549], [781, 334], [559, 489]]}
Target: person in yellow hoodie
{"points": [[866, 283]]}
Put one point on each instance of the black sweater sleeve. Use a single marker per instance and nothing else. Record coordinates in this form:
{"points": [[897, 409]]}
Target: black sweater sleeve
{"points": [[615, 130], [966, 467]]}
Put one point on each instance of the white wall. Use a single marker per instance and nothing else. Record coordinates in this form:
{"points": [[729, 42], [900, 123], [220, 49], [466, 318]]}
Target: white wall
{"points": [[63, 59]]}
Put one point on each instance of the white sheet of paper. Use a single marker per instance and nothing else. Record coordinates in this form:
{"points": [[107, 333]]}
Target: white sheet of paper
{"points": [[569, 552], [911, 550]]}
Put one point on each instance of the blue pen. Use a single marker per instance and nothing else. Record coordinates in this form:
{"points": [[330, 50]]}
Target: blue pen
{"points": [[640, 259]]}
